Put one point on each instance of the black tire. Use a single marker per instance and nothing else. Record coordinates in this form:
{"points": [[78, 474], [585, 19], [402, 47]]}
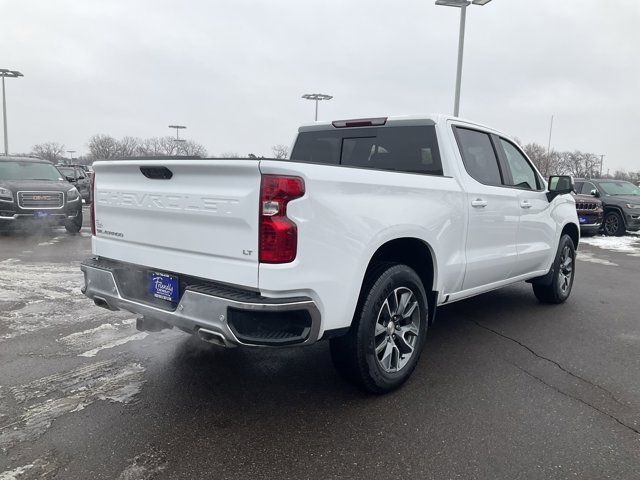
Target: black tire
{"points": [[75, 224], [613, 224], [563, 274], [354, 355]]}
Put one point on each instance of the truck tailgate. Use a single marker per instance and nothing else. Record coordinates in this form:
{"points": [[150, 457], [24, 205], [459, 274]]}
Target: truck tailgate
{"points": [[202, 221]]}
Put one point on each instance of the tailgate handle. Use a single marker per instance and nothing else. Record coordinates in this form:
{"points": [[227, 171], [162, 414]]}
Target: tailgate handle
{"points": [[157, 173]]}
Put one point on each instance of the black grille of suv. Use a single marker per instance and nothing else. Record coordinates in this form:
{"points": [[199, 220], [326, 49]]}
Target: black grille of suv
{"points": [[40, 200], [586, 206]]}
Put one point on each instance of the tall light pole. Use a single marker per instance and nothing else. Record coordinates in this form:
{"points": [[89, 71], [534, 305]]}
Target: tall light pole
{"points": [[462, 5], [317, 97], [11, 74], [178, 128]]}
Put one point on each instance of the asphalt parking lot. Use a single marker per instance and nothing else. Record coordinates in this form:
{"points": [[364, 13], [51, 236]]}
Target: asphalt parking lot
{"points": [[507, 388]]}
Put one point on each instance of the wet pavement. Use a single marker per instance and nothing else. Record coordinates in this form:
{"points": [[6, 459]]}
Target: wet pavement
{"points": [[506, 388]]}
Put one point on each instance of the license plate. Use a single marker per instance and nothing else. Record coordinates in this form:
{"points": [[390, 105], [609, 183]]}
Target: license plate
{"points": [[583, 219], [163, 286], [40, 214]]}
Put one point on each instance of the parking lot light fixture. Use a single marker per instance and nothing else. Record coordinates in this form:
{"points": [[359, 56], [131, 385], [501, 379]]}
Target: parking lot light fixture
{"points": [[317, 97], [462, 5], [178, 128], [11, 74]]}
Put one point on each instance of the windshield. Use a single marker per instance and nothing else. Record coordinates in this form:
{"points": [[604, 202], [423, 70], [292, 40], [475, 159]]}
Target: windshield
{"points": [[28, 171], [67, 171], [619, 188]]}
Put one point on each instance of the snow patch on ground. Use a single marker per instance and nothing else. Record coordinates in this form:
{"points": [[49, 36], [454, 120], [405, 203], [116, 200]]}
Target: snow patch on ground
{"points": [[41, 468], [37, 296], [628, 244], [588, 257], [105, 336], [69, 392], [145, 466]]}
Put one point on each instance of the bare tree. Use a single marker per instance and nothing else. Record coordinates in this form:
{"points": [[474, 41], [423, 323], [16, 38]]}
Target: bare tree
{"points": [[128, 146], [103, 147], [191, 149], [280, 151], [51, 151], [538, 155]]}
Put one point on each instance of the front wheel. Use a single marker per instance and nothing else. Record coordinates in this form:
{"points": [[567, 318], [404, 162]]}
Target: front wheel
{"points": [[614, 224], [75, 224], [389, 328], [563, 273]]}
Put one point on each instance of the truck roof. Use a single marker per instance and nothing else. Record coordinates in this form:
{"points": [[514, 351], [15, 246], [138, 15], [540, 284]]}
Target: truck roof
{"points": [[402, 120]]}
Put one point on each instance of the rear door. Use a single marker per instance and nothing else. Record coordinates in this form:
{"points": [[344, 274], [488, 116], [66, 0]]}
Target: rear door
{"points": [[196, 217], [537, 229], [493, 211]]}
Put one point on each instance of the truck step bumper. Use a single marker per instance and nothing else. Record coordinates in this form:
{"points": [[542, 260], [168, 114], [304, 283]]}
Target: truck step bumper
{"points": [[212, 313]]}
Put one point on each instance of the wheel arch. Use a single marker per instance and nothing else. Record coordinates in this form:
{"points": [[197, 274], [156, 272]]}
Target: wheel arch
{"points": [[410, 251], [573, 231], [609, 208]]}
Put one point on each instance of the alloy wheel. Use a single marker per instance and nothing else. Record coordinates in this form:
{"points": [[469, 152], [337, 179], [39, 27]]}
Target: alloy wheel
{"points": [[565, 272], [611, 224], [397, 329]]}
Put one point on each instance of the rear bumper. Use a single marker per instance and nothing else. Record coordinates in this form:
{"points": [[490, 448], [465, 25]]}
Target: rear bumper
{"points": [[235, 316]]}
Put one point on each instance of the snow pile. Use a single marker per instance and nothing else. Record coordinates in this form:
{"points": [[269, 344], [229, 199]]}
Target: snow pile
{"points": [[628, 244]]}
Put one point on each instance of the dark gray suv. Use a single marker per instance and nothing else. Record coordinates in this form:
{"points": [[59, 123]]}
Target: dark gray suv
{"points": [[621, 202]]}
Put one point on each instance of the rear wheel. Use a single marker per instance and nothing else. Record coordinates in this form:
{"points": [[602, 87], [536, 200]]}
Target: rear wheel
{"points": [[387, 335], [563, 273], [614, 224]]}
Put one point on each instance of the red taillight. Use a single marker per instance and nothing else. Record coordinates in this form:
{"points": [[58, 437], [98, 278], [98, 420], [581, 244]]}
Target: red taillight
{"points": [[92, 208], [278, 237]]}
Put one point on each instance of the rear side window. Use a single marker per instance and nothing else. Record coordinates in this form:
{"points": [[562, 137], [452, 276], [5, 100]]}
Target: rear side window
{"points": [[478, 156], [403, 149]]}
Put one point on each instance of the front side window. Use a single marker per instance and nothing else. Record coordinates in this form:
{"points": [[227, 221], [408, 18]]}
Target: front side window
{"points": [[478, 156], [587, 187], [522, 173]]}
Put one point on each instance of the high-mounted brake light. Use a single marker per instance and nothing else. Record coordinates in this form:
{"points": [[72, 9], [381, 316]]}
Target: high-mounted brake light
{"points": [[278, 235], [92, 208], [360, 122]]}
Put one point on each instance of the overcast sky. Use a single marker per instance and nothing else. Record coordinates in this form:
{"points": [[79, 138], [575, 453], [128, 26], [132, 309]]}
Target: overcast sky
{"points": [[233, 71]]}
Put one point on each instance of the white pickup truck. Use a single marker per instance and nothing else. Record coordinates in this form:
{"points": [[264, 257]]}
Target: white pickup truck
{"points": [[357, 238]]}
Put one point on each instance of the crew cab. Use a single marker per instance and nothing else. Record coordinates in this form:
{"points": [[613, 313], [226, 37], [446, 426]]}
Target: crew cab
{"points": [[33, 192], [358, 237]]}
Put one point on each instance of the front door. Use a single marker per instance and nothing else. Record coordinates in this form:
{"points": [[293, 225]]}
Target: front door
{"points": [[537, 229]]}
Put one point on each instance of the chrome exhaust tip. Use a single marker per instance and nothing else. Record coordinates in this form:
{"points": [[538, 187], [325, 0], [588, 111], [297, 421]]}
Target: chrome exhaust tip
{"points": [[214, 338]]}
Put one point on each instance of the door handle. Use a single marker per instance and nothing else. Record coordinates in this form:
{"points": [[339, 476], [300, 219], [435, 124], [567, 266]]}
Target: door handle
{"points": [[478, 203], [525, 204]]}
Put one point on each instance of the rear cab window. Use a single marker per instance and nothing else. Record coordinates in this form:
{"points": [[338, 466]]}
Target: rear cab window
{"points": [[409, 149]]}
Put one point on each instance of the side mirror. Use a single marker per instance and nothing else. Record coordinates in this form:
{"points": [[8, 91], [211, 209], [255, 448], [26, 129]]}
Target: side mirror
{"points": [[559, 185], [595, 193], [70, 178]]}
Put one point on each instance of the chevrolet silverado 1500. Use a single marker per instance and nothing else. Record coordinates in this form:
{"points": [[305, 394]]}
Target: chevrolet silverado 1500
{"points": [[358, 237]]}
